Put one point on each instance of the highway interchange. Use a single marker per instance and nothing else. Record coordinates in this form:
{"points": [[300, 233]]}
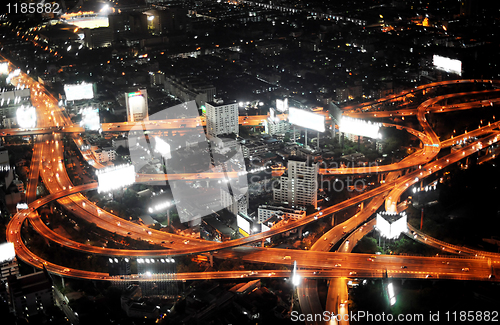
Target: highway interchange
{"points": [[317, 262]]}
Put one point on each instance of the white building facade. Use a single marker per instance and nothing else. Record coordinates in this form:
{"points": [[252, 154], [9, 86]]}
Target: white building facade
{"points": [[267, 211], [222, 118], [299, 187]]}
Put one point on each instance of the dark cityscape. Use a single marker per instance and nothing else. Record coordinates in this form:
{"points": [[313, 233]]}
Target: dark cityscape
{"points": [[249, 162]]}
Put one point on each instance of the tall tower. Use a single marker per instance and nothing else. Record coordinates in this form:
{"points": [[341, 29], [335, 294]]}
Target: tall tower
{"points": [[299, 187]]}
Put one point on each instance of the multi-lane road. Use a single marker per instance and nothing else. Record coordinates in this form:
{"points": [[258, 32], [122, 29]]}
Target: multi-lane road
{"points": [[207, 247]]}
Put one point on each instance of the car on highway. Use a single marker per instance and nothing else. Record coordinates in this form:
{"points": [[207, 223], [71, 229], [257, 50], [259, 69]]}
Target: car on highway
{"points": [[287, 257], [465, 269], [353, 273], [66, 270], [403, 266]]}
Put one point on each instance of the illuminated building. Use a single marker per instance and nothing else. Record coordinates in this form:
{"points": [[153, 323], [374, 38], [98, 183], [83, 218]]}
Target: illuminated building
{"points": [[298, 189], [137, 105], [267, 211], [222, 118], [105, 154]]}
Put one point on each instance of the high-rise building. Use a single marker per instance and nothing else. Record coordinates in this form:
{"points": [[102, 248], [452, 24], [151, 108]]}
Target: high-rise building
{"points": [[137, 105], [222, 118], [299, 187], [236, 202]]}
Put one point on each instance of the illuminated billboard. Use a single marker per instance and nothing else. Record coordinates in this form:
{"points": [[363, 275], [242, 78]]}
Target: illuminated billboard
{"points": [[282, 105], [447, 64], [7, 252], [243, 225], [162, 147], [90, 119], [81, 91], [116, 177], [391, 225], [306, 119], [137, 105], [26, 117], [21, 206], [4, 67], [360, 127], [13, 74]]}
